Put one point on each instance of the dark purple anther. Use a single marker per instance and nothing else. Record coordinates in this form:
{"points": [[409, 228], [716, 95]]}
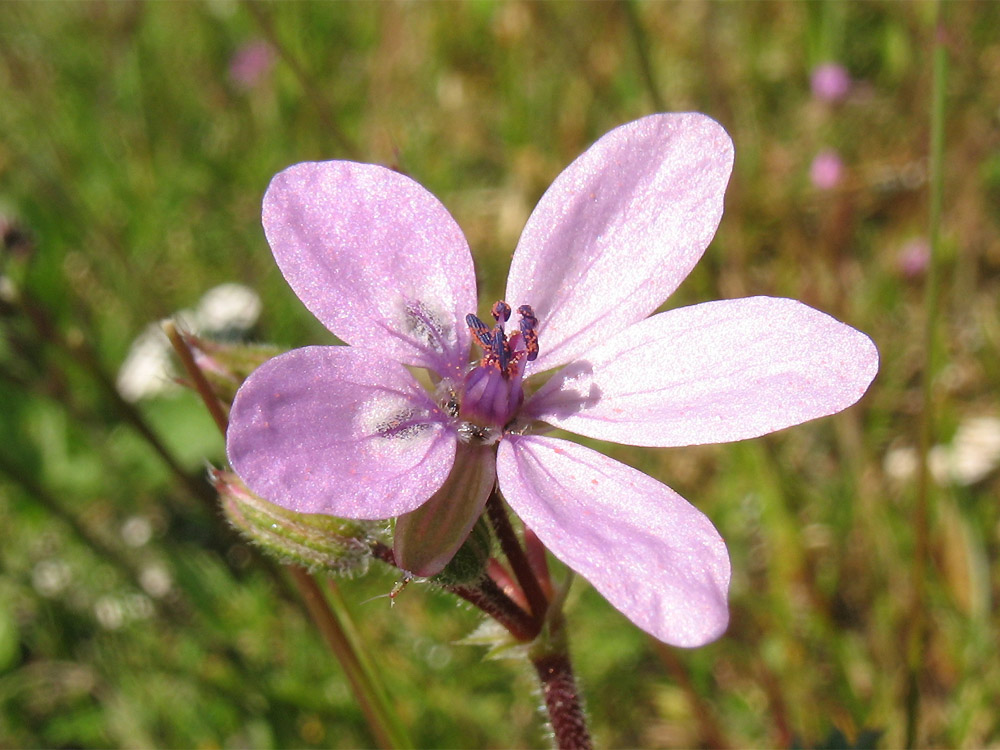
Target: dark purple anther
{"points": [[480, 331], [528, 324], [500, 312]]}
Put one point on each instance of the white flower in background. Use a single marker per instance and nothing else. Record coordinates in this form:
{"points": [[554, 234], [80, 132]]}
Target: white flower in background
{"points": [[970, 457], [226, 311], [147, 370], [973, 454]]}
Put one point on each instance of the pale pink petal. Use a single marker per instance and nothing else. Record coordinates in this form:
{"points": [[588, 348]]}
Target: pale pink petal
{"points": [[619, 229], [427, 538], [711, 373], [376, 258], [652, 554], [339, 430]]}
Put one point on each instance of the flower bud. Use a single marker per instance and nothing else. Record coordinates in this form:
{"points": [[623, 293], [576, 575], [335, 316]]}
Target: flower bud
{"points": [[318, 542], [469, 563]]}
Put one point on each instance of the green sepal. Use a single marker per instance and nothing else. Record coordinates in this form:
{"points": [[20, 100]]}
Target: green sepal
{"points": [[497, 640], [314, 541], [469, 563]]}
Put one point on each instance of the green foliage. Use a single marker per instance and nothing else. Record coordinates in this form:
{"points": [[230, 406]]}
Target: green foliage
{"points": [[131, 615]]}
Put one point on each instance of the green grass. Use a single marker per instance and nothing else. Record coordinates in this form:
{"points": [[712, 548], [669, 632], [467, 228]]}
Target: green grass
{"points": [[137, 166]]}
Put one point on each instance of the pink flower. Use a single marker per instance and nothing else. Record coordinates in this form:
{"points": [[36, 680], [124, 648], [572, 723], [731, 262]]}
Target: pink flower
{"points": [[826, 170], [399, 424], [251, 63], [913, 258], [830, 82]]}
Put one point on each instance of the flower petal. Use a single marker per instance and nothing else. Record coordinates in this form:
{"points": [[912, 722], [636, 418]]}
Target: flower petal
{"points": [[427, 538], [712, 373], [652, 554], [376, 258], [338, 430], [619, 229]]}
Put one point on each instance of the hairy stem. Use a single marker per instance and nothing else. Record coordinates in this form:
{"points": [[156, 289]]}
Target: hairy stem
{"points": [[562, 701], [486, 595]]}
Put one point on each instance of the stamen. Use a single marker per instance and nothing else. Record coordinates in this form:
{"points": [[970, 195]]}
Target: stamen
{"points": [[528, 324], [500, 312], [493, 392], [480, 332]]}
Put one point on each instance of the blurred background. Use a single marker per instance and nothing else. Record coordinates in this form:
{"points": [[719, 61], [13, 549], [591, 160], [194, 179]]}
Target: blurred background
{"points": [[136, 141]]}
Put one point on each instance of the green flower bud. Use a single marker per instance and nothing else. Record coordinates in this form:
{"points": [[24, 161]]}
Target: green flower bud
{"points": [[317, 542], [469, 563]]}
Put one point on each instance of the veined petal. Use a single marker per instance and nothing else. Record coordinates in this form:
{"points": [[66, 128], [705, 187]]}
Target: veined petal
{"points": [[341, 431], [427, 538], [652, 554], [618, 230], [377, 258], [711, 373]]}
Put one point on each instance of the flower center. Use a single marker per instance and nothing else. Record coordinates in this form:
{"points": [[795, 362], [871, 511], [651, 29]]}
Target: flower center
{"points": [[493, 392]]}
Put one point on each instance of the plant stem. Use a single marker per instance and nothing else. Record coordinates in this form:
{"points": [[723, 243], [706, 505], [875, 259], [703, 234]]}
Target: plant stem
{"points": [[387, 732], [200, 382], [916, 643], [641, 45], [487, 596], [515, 556], [550, 657], [562, 702]]}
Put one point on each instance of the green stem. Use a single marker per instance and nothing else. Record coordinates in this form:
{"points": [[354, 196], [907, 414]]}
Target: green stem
{"points": [[386, 728], [641, 45], [379, 694], [918, 634]]}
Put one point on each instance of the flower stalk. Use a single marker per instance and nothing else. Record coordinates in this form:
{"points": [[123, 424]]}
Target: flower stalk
{"points": [[516, 557], [549, 655]]}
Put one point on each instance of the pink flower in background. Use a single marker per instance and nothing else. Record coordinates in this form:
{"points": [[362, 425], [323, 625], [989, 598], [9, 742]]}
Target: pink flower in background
{"points": [[913, 258], [251, 63], [826, 170], [352, 431], [830, 82]]}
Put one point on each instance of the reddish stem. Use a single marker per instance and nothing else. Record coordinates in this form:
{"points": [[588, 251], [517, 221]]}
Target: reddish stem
{"points": [[487, 596], [562, 701], [515, 556]]}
